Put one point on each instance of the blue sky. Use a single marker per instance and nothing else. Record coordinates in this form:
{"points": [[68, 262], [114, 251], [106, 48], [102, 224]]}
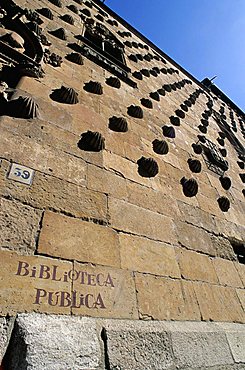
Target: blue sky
{"points": [[206, 37]]}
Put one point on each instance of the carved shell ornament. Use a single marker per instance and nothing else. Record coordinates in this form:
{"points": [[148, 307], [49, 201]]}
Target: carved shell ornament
{"points": [[60, 33], [138, 75], [135, 111], [155, 95], [175, 120], [197, 148], [195, 165], [168, 131], [146, 103], [160, 146], [65, 95], [147, 167], [46, 12], [224, 204], [118, 124], [23, 107], [75, 58], [189, 186], [91, 141], [225, 182], [180, 113], [93, 87], [113, 82]]}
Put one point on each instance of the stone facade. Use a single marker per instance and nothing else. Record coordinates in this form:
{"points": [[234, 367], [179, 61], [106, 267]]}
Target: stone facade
{"points": [[121, 199]]}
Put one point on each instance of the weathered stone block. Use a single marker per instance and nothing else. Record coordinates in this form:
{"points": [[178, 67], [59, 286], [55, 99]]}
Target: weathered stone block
{"points": [[43, 158], [19, 226], [126, 169], [106, 182], [73, 239], [241, 271], [235, 334], [165, 299], [50, 192], [104, 292], [152, 199], [196, 216], [218, 303], [227, 273], [31, 283], [222, 247], [144, 255], [130, 218], [195, 266], [197, 345], [194, 238], [138, 345], [241, 296], [6, 327], [54, 342]]}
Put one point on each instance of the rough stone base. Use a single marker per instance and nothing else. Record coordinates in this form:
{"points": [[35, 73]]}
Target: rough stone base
{"points": [[53, 342]]}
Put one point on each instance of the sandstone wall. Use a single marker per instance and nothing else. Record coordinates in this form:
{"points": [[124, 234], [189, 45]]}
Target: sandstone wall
{"points": [[99, 233]]}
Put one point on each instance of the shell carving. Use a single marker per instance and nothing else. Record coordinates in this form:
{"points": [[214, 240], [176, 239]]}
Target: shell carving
{"points": [[184, 107], [197, 148], [133, 57], [241, 164], [127, 43], [23, 107], [201, 138], [135, 111], [118, 124], [188, 103], [75, 58], [146, 103], [224, 204], [60, 33], [167, 88], [46, 12], [145, 72], [203, 129], [57, 3], [223, 152], [160, 146], [155, 96], [114, 82], [180, 113], [225, 182], [175, 120], [65, 95], [91, 141], [164, 71], [68, 19], [204, 122], [94, 87], [153, 72], [168, 131], [138, 75], [190, 187], [73, 8], [195, 165], [161, 91], [221, 141], [147, 167]]}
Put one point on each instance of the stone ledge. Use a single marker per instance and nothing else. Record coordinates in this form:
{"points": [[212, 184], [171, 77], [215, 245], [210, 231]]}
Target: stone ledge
{"points": [[57, 342]]}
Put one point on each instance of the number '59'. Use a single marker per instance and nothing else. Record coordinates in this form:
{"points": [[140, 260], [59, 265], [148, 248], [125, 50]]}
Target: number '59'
{"points": [[20, 173]]}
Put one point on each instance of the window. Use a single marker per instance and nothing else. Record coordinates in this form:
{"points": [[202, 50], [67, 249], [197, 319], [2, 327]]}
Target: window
{"points": [[239, 250], [101, 46]]}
